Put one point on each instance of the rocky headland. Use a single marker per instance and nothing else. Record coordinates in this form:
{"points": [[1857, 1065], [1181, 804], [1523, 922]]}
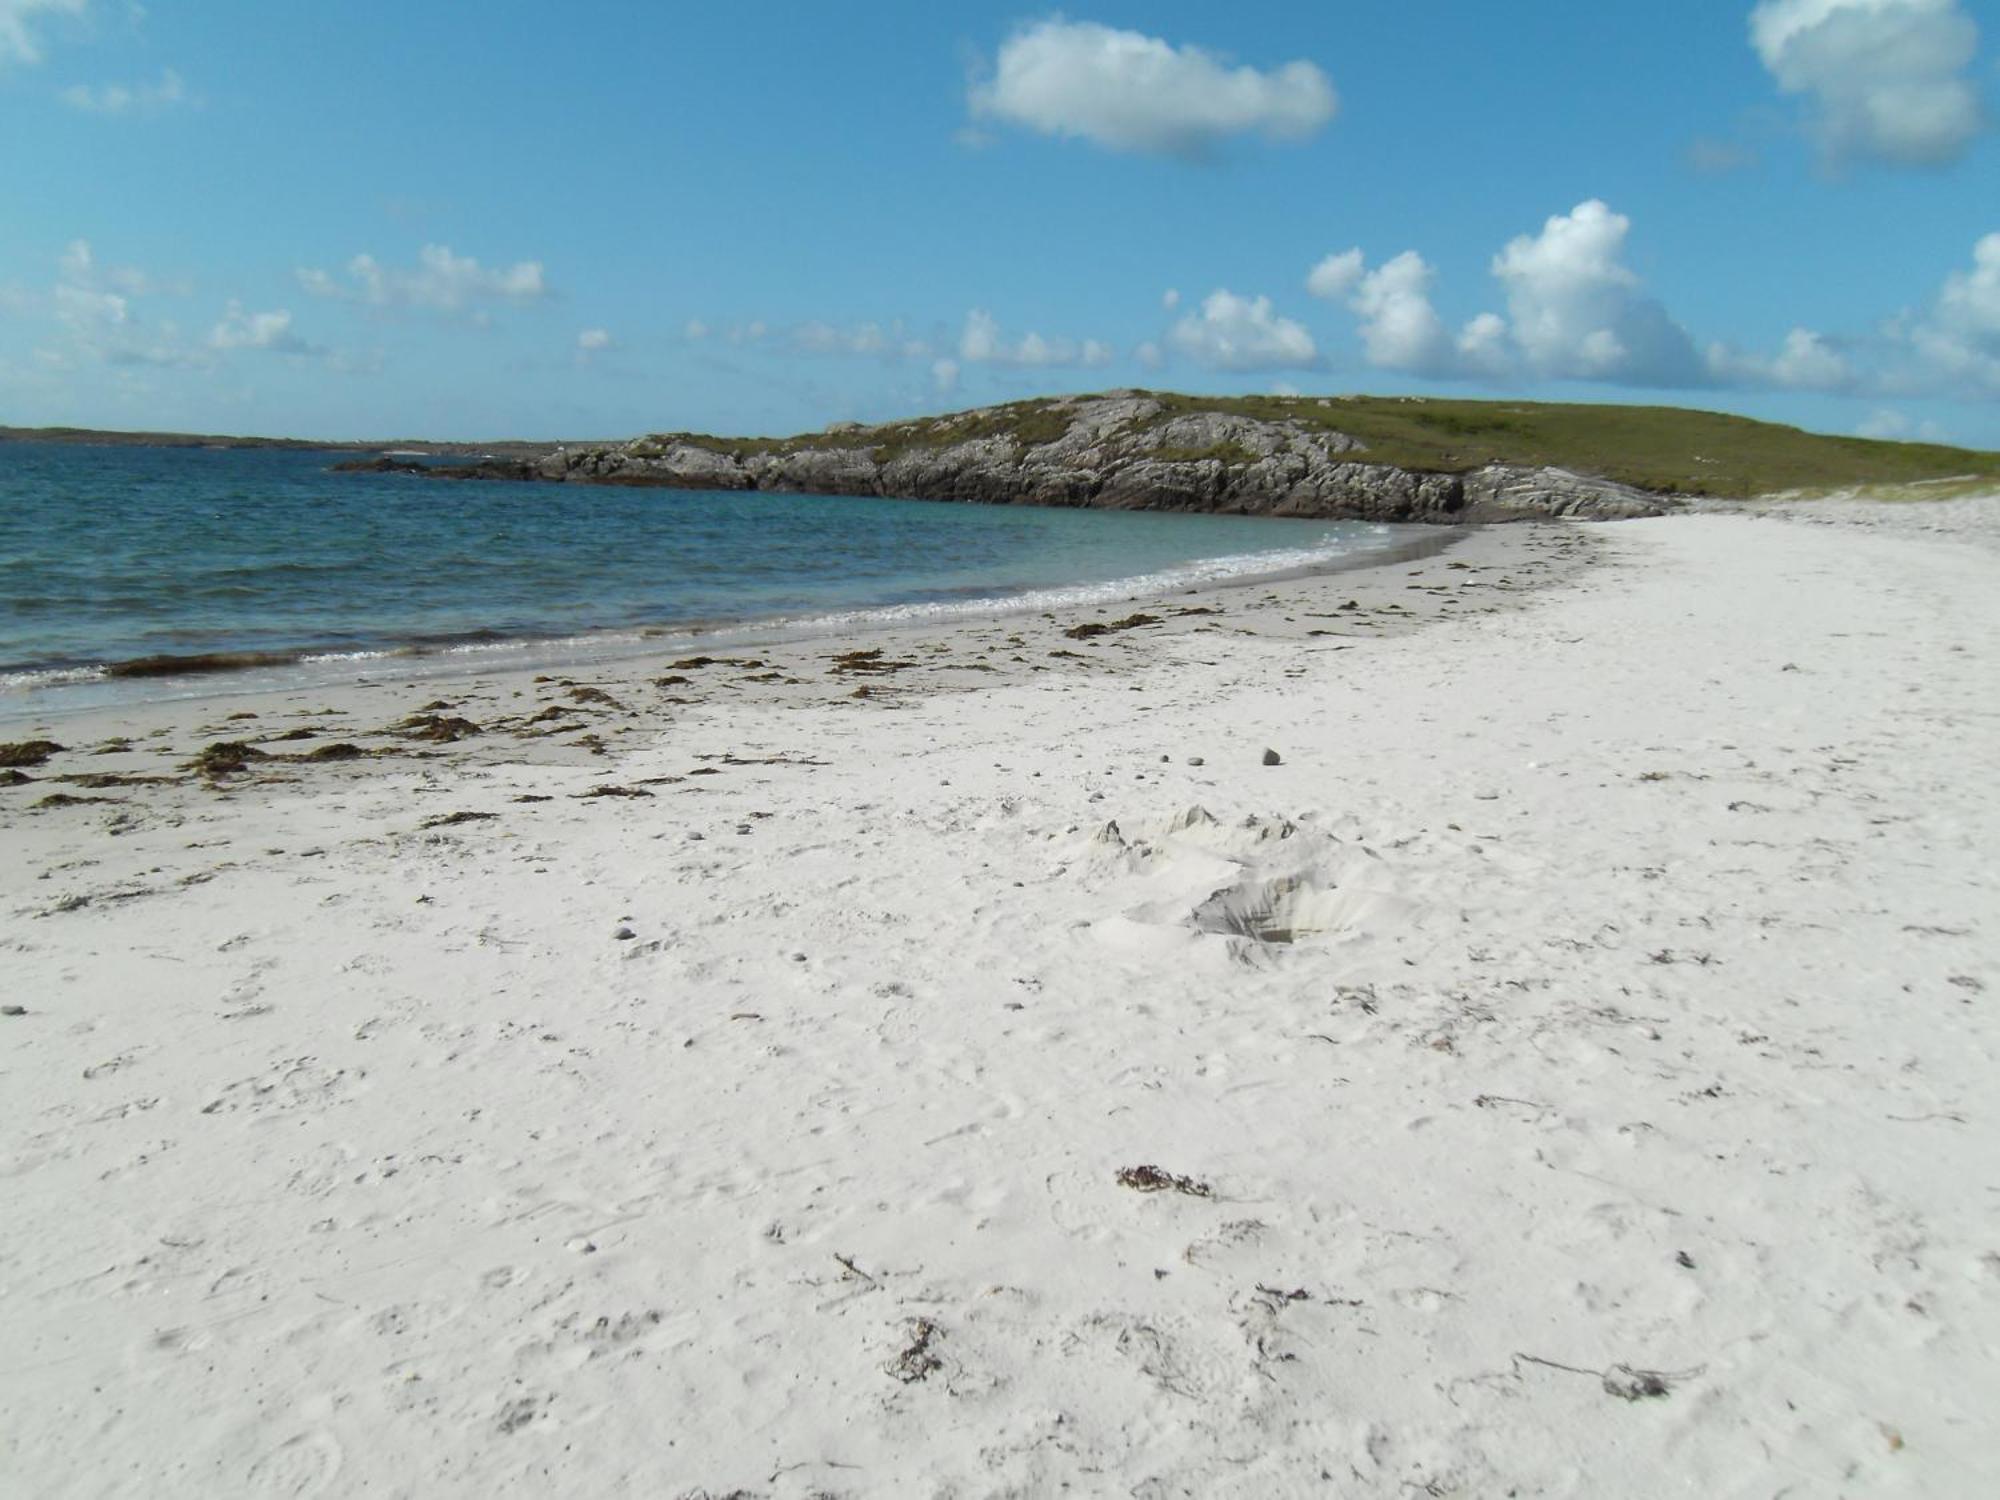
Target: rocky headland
{"points": [[1126, 450]]}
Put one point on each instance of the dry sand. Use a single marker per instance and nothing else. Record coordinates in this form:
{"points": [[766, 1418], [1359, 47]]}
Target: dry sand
{"points": [[1570, 1071]]}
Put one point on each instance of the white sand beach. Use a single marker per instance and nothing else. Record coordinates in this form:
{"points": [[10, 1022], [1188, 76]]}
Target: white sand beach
{"points": [[1570, 1070]]}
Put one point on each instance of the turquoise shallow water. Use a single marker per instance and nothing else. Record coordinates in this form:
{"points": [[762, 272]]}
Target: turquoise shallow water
{"points": [[113, 554]]}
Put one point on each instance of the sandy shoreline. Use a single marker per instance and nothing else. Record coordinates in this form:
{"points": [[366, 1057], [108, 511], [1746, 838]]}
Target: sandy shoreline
{"points": [[208, 680], [1619, 1121], [944, 650]]}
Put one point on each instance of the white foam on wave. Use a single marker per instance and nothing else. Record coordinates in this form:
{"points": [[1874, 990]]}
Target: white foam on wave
{"points": [[50, 677], [1203, 573]]}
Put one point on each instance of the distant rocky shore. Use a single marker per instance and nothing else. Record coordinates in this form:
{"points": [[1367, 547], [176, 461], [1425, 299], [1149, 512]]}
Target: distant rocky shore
{"points": [[1122, 451]]}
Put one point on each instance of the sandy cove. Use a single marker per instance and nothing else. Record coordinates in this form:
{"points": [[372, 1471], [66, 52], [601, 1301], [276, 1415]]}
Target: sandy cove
{"points": [[1569, 1071]]}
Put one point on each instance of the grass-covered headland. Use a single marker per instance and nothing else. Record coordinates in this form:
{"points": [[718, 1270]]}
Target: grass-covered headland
{"points": [[1667, 450]]}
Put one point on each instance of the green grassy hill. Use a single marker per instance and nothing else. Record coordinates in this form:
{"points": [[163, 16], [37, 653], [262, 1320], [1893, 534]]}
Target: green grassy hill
{"points": [[1661, 448]]}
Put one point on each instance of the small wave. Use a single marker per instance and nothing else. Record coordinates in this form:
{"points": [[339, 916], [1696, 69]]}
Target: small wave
{"points": [[1209, 572], [27, 679]]}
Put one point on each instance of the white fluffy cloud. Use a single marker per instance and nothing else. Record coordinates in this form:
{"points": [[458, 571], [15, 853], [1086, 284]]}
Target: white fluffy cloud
{"points": [[593, 341], [1576, 310], [95, 308], [118, 99], [18, 39], [1243, 333], [84, 300], [92, 306], [1482, 346], [1969, 305], [83, 307], [1131, 92], [1806, 361], [271, 331], [439, 282], [1399, 327], [1958, 340], [1336, 276], [1886, 79], [1949, 347], [981, 342]]}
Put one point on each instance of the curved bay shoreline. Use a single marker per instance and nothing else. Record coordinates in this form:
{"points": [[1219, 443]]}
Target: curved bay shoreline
{"points": [[78, 688], [956, 651]]}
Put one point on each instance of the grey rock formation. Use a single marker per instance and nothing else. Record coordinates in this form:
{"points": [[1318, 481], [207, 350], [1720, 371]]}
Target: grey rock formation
{"points": [[1117, 451], [1498, 493]]}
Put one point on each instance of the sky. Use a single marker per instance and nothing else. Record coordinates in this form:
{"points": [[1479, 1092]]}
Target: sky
{"points": [[383, 218]]}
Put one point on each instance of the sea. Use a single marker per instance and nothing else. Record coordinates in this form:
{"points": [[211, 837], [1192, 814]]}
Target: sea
{"points": [[119, 563]]}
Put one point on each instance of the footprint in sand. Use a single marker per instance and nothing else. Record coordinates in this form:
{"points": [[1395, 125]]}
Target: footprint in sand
{"points": [[1167, 1352], [304, 1465], [292, 1083]]}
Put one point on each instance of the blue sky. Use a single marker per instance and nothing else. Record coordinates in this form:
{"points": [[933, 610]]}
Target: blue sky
{"points": [[379, 219]]}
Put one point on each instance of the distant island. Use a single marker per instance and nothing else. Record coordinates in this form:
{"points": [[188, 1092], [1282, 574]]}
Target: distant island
{"points": [[93, 437], [1370, 457]]}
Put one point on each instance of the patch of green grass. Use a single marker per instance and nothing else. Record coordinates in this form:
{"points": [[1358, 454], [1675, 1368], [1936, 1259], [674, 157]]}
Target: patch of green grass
{"points": [[1228, 451], [1029, 423]]}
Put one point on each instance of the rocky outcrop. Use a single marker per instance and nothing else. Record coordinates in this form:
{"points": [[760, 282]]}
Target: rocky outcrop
{"points": [[1123, 451], [1500, 493]]}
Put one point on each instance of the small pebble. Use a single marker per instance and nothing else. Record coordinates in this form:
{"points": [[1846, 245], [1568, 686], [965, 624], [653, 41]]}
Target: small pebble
{"points": [[623, 934], [13, 1010], [1196, 760], [1272, 758]]}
